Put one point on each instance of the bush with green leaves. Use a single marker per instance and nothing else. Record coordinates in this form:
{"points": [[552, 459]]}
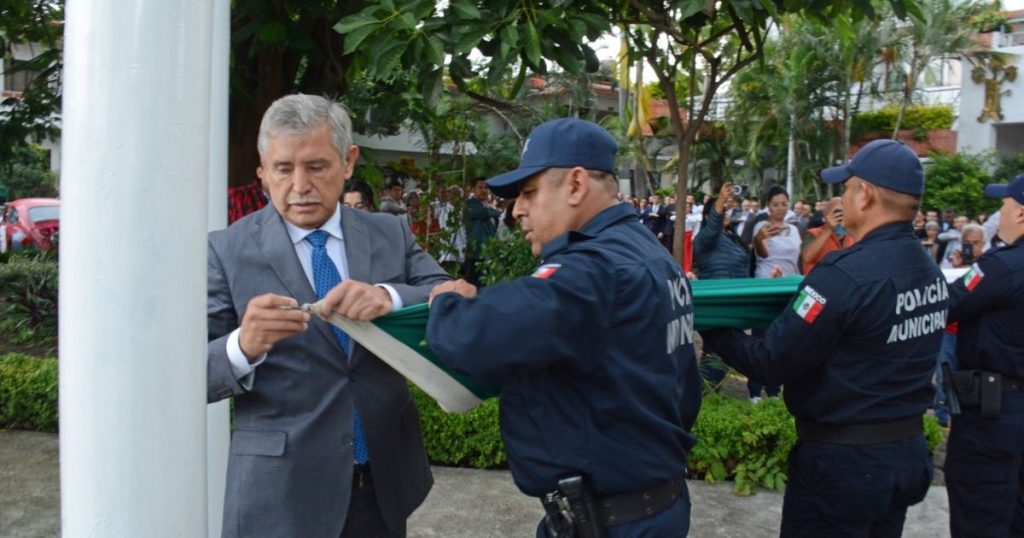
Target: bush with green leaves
{"points": [[28, 174], [958, 181], [28, 393], [502, 260], [1010, 166], [918, 118], [28, 286], [470, 440], [742, 441]]}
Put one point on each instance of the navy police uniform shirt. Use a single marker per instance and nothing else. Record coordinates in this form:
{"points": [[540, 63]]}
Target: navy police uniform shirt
{"points": [[988, 304], [593, 355], [858, 344]]}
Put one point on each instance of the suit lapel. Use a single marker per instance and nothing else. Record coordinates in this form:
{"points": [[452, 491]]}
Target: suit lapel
{"points": [[357, 246], [357, 255], [279, 252]]}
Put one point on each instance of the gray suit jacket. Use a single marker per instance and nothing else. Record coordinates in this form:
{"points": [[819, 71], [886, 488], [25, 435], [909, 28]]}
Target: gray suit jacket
{"points": [[290, 467]]}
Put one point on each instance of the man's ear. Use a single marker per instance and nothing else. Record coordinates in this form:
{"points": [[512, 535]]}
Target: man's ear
{"points": [[577, 182], [351, 156]]}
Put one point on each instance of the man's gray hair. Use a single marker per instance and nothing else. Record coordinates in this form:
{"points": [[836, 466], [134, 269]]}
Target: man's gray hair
{"points": [[299, 114], [976, 228]]}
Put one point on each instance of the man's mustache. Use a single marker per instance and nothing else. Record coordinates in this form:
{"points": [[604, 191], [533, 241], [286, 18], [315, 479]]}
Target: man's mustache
{"points": [[305, 200]]}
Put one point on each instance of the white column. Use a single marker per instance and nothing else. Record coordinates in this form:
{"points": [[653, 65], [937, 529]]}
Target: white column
{"points": [[218, 420], [133, 269]]}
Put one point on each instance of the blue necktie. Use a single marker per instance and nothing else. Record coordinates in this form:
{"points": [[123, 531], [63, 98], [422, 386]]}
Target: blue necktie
{"points": [[326, 277]]}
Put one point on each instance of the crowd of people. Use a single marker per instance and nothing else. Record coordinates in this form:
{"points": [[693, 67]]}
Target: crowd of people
{"points": [[594, 352]]}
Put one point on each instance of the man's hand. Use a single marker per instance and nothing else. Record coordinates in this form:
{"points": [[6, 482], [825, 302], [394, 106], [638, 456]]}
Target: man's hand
{"points": [[834, 218], [357, 300], [459, 286], [725, 195], [776, 272], [268, 319]]}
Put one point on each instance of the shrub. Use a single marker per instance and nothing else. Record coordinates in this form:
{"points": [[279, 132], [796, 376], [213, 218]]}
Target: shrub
{"points": [[918, 118], [742, 441], [28, 173], [29, 285], [28, 393], [469, 440], [502, 260], [958, 181]]}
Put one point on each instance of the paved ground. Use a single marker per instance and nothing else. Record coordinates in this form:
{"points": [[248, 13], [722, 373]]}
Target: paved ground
{"points": [[464, 503]]}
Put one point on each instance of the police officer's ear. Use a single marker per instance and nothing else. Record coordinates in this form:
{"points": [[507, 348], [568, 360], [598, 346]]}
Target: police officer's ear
{"points": [[577, 184]]}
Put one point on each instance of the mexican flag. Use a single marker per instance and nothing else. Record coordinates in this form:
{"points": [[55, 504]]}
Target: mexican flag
{"points": [[809, 304], [973, 277], [398, 338]]}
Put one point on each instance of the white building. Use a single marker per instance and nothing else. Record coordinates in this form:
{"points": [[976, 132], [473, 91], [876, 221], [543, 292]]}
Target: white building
{"points": [[978, 130]]}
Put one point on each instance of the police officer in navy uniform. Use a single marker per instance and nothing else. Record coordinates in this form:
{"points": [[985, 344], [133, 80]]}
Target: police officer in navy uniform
{"points": [[984, 470], [593, 353], [856, 351]]}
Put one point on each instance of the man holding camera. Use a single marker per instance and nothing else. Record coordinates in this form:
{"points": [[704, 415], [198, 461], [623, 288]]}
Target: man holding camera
{"points": [[984, 471], [856, 351]]}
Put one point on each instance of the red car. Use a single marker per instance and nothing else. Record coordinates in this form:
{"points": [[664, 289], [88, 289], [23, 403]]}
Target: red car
{"points": [[29, 223]]}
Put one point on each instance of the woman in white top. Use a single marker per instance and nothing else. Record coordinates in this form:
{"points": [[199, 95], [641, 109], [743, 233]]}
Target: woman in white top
{"points": [[776, 242], [777, 245]]}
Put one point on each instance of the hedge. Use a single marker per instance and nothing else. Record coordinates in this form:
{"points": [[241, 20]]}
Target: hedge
{"points": [[738, 440], [29, 287], [916, 117], [28, 393]]}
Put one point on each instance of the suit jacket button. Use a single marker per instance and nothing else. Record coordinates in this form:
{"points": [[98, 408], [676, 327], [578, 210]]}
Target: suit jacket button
{"points": [[346, 439]]}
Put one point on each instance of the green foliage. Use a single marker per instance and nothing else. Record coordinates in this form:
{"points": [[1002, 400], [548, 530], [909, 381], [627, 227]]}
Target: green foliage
{"points": [[1010, 166], [742, 441], [28, 174], [472, 439], [35, 114], [991, 19], [927, 118], [932, 432], [502, 260], [958, 181], [28, 393], [29, 289]]}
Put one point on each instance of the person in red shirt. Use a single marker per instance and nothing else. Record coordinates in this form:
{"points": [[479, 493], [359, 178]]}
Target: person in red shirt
{"points": [[830, 236]]}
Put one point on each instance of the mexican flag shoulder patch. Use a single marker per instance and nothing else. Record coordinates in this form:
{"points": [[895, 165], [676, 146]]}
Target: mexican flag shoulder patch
{"points": [[546, 270], [809, 304], [973, 277]]}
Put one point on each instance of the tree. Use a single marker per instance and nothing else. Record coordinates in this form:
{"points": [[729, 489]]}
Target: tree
{"points": [[33, 116], [958, 181], [942, 30], [719, 38], [27, 173]]}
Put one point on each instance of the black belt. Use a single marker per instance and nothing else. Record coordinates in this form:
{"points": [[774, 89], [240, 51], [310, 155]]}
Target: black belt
{"points": [[361, 475], [1012, 383], [860, 434], [630, 507]]}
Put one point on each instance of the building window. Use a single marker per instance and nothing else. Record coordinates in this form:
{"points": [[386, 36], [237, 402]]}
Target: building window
{"points": [[15, 79]]}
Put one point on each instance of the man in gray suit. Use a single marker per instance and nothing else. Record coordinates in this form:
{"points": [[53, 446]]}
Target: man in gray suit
{"points": [[326, 439]]}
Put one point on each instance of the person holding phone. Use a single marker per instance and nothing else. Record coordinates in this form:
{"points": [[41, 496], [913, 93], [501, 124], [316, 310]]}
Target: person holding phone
{"points": [[828, 237], [776, 242]]}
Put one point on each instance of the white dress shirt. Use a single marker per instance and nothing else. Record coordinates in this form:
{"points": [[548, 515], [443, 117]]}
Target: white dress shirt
{"points": [[244, 370]]}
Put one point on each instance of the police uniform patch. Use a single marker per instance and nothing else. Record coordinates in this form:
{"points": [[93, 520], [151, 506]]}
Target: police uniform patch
{"points": [[546, 270], [809, 304], [973, 277]]}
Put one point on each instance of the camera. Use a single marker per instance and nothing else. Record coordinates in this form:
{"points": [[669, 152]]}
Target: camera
{"points": [[740, 190], [967, 254]]}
